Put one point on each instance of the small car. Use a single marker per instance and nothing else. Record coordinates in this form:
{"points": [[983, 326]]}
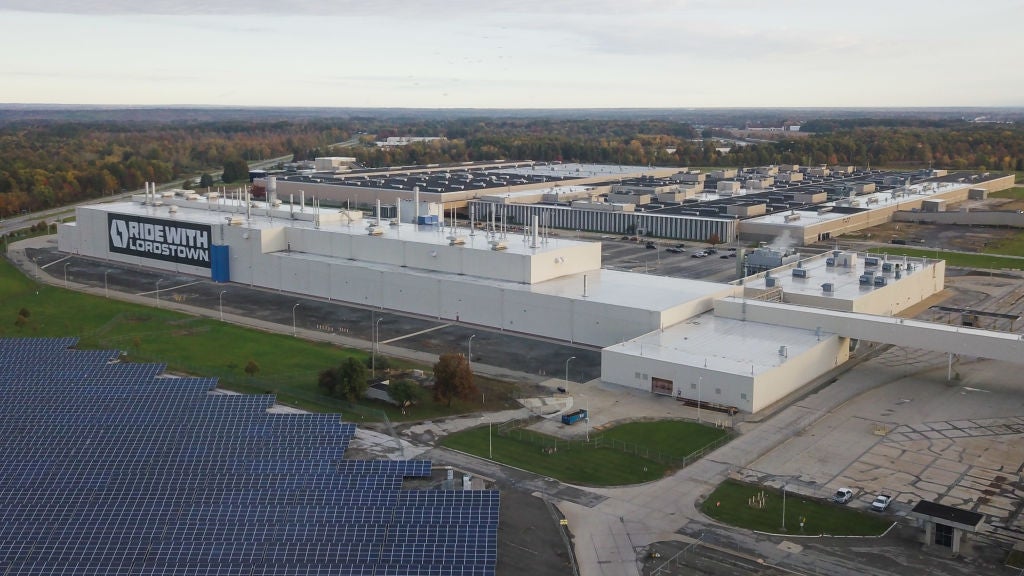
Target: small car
{"points": [[842, 496]]}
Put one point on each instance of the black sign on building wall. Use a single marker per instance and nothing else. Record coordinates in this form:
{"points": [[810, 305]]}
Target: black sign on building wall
{"points": [[168, 240]]}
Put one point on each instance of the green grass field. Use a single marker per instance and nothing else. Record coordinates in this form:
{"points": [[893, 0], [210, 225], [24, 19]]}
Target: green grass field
{"points": [[673, 438], [577, 464], [957, 259], [199, 346], [729, 503], [1015, 193]]}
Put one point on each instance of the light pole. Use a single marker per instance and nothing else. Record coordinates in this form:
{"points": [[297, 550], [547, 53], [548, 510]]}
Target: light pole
{"points": [[220, 303], [470, 356], [700, 382], [588, 419], [373, 348], [490, 446], [567, 372], [66, 274], [158, 292], [106, 293], [784, 507], [294, 330]]}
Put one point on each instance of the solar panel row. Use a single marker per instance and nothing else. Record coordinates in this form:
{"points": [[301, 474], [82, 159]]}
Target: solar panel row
{"points": [[111, 468]]}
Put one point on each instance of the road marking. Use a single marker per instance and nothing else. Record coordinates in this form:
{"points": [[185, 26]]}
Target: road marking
{"points": [[414, 334], [55, 262], [170, 288]]}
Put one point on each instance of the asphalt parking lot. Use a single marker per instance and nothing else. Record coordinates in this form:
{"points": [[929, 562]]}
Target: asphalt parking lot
{"points": [[634, 256], [506, 350]]}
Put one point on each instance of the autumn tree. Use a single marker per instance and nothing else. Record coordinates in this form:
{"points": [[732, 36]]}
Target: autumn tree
{"points": [[350, 380], [453, 379], [405, 392], [235, 169], [252, 368], [327, 380], [354, 379]]}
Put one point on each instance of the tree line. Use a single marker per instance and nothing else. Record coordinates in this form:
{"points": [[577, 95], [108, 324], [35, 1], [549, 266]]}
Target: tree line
{"points": [[49, 163]]}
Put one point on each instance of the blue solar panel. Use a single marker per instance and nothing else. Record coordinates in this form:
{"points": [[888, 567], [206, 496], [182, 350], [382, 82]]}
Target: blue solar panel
{"points": [[112, 468]]}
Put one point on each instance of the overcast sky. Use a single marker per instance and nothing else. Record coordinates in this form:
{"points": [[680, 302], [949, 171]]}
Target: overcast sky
{"points": [[513, 54]]}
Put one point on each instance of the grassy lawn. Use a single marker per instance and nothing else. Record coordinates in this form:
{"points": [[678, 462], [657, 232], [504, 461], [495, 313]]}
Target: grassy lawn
{"points": [[576, 465], [1011, 246], [729, 503], [673, 438], [1016, 193], [200, 346], [604, 466], [956, 259]]}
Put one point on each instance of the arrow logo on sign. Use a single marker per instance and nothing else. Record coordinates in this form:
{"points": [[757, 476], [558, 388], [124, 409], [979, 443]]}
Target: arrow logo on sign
{"points": [[119, 233]]}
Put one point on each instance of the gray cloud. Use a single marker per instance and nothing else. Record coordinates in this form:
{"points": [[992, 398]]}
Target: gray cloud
{"points": [[387, 8]]}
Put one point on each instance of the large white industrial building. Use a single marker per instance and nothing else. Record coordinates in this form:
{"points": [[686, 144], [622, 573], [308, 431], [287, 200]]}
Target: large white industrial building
{"points": [[744, 345]]}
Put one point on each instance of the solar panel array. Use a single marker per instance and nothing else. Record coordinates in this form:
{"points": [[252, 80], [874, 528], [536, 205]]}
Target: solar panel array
{"points": [[111, 468]]}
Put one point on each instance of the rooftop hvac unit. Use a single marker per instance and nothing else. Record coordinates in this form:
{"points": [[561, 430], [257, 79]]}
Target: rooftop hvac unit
{"points": [[791, 217], [830, 261], [881, 281], [870, 261], [866, 278], [887, 267], [769, 282], [828, 288], [799, 273]]}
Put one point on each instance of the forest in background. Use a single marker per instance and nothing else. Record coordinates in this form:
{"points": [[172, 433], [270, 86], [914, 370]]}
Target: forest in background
{"points": [[47, 162]]}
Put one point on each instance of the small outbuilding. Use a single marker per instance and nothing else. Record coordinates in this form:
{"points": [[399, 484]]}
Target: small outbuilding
{"points": [[944, 525]]}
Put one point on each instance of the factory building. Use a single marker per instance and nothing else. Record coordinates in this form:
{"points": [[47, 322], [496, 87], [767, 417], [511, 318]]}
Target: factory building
{"points": [[744, 345]]}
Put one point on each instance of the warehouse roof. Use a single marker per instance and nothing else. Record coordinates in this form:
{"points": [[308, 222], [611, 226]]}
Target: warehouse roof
{"points": [[723, 344], [846, 281]]}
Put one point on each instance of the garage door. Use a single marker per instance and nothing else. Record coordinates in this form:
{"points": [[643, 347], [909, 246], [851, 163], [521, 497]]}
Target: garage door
{"points": [[661, 386]]}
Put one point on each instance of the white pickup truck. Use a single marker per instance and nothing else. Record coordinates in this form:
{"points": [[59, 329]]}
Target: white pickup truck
{"points": [[842, 496], [881, 502]]}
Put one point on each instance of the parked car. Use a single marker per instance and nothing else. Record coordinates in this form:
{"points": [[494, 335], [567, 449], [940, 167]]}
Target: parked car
{"points": [[680, 246], [881, 502], [698, 255], [651, 246], [675, 250], [842, 496], [712, 251], [724, 256]]}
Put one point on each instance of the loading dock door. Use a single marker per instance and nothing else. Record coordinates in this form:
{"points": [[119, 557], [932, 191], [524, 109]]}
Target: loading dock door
{"points": [[661, 386]]}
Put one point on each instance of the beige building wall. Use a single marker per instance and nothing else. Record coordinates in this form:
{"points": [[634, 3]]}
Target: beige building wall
{"points": [[1007, 218], [797, 372]]}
